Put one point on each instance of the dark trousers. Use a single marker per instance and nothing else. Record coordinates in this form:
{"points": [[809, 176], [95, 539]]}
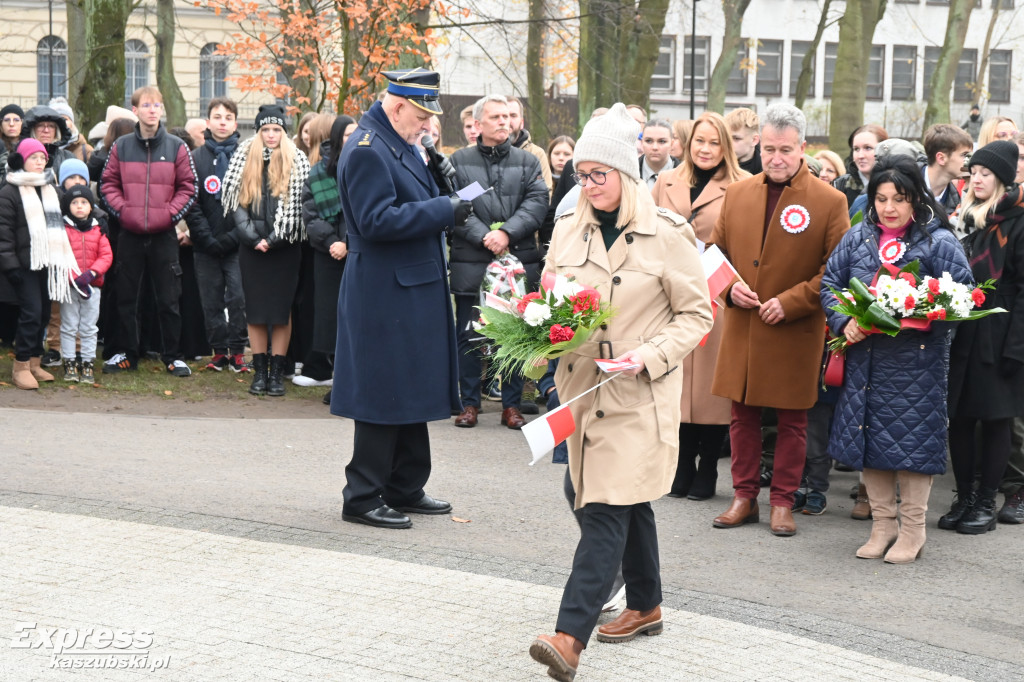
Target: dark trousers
{"points": [[968, 460], [220, 288], [390, 465], [610, 535], [157, 257], [1014, 476], [33, 314], [819, 464], [470, 365], [790, 453]]}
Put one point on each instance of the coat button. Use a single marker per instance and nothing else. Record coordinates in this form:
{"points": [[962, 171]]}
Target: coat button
{"points": [[756, 263], [629, 239], [570, 366], [586, 237], [618, 280], [600, 414], [604, 325]]}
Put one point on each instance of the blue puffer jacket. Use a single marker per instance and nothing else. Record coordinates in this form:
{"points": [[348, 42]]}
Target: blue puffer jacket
{"points": [[891, 413]]}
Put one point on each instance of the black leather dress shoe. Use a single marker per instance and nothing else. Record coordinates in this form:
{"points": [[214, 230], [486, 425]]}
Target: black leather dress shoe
{"points": [[426, 505], [381, 517]]}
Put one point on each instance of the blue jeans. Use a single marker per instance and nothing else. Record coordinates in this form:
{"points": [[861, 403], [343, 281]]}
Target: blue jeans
{"points": [[220, 288]]}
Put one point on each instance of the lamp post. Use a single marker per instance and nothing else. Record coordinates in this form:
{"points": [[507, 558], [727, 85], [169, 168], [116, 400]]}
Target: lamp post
{"points": [[50, 41], [693, 56]]}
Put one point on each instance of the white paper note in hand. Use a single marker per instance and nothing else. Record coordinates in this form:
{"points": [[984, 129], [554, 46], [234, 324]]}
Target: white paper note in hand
{"points": [[610, 366], [470, 192]]}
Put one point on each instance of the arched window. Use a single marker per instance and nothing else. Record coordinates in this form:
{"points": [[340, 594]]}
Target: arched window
{"points": [[213, 73], [136, 68], [52, 68]]}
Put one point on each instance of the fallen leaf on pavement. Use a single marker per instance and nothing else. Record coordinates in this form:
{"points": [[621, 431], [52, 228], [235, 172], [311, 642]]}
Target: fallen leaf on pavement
{"points": [[456, 519], [168, 392]]}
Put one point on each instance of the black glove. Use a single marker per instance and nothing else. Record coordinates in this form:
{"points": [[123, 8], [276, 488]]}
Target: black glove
{"points": [[462, 209], [443, 173], [1009, 366], [15, 277], [446, 168]]}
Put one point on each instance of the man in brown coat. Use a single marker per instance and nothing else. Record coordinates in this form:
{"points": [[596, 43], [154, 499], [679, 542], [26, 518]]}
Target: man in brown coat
{"points": [[778, 229]]}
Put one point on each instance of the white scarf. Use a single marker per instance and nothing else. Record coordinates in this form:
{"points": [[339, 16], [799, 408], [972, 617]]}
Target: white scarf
{"points": [[49, 245]]}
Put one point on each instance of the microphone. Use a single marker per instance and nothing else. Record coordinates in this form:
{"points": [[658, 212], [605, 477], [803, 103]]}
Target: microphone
{"points": [[442, 167]]}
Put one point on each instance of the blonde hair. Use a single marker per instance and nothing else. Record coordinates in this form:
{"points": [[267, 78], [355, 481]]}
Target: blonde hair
{"points": [[682, 128], [733, 172], [988, 129], [319, 130], [279, 171], [980, 211], [633, 195], [743, 118], [306, 119], [831, 158]]}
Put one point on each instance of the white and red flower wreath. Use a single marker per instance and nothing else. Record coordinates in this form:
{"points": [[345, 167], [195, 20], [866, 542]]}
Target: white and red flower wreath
{"points": [[795, 219], [212, 184]]}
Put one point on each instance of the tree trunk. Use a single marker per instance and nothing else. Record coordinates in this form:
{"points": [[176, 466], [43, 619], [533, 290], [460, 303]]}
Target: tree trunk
{"points": [[803, 84], [303, 84], [103, 80], [174, 102], [981, 80], [76, 53], [619, 43], [734, 11], [949, 57], [538, 108], [849, 84]]}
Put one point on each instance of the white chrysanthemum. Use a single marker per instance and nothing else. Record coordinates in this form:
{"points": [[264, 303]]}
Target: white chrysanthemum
{"points": [[536, 313], [892, 294], [564, 289]]}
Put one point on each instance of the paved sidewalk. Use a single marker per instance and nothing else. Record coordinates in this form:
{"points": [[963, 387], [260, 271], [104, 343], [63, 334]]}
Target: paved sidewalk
{"points": [[224, 607]]}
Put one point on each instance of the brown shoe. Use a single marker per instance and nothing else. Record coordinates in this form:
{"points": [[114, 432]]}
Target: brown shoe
{"points": [[467, 418], [862, 508], [741, 511], [782, 523], [512, 418], [35, 366], [631, 623], [560, 653]]}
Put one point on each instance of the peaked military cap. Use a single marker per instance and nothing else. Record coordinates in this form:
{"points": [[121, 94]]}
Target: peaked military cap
{"points": [[419, 86]]}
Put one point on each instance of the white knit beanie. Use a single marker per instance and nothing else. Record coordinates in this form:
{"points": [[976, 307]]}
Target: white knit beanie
{"points": [[610, 139]]}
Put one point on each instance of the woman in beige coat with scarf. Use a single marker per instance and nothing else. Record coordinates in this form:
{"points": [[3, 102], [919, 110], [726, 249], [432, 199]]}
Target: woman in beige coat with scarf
{"points": [[644, 262], [695, 190]]}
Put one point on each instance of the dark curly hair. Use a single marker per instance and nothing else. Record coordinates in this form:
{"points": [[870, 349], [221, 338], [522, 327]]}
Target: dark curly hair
{"points": [[906, 177]]}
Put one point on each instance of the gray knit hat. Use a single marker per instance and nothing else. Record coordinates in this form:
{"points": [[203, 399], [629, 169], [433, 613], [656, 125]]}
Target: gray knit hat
{"points": [[610, 139]]}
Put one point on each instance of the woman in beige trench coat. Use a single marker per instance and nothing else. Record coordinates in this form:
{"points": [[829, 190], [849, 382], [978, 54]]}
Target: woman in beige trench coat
{"points": [[644, 262], [695, 190]]}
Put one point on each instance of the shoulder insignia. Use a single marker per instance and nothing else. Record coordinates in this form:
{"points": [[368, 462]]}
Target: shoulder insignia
{"points": [[364, 141]]}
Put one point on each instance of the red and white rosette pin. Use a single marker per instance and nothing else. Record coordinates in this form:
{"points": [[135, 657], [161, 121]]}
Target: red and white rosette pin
{"points": [[891, 251], [795, 219], [212, 184]]}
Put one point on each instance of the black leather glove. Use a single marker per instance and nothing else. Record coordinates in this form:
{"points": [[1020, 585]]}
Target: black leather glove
{"points": [[1009, 367], [446, 168], [462, 209]]}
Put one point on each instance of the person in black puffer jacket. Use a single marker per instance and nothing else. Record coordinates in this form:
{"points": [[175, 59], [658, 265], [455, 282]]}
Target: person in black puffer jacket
{"points": [[517, 200], [215, 243]]}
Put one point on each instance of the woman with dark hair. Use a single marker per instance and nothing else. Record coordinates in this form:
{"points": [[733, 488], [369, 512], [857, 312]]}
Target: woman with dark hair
{"points": [[863, 142], [11, 117], [890, 420], [985, 383], [325, 225]]}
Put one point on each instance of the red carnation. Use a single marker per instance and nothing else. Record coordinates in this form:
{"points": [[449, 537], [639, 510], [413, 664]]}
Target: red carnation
{"points": [[584, 301], [978, 296], [931, 299], [908, 278], [933, 286], [558, 333], [909, 302], [525, 300], [939, 314]]}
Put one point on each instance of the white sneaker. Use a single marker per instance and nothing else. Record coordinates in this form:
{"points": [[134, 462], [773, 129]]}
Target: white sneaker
{"points": [[300, 380], [613, 603]]}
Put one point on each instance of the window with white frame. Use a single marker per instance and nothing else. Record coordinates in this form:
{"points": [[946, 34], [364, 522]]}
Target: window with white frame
{"points": [[51, 68], [904, 72], [213, 73], [768, 79], [664, 76], [964, 87], [797, 50], [136, 68], [999, 63], [876, 71], [737, 83], [831, 51], [700, 61]]}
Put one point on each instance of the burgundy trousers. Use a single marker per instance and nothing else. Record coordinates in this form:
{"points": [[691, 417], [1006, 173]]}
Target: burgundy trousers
{"points": [[790, 453]]}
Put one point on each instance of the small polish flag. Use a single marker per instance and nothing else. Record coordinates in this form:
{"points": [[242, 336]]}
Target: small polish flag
{"points": [[497, 302], [544, 433], [718, 270], [714, 314]]}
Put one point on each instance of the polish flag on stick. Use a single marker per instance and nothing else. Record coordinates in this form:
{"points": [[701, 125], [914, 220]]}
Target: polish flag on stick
{"points": [[544, 433], [717, 270]]}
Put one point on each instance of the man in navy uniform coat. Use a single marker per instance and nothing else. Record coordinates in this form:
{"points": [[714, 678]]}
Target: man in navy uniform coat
{"points": [[396, 364]]}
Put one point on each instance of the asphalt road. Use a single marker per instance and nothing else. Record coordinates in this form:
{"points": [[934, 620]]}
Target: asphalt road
{"points": [[965, 593]]}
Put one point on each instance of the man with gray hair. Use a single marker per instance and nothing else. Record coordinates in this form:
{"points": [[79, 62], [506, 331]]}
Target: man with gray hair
{"points": [[507, 218], [778, 229]]}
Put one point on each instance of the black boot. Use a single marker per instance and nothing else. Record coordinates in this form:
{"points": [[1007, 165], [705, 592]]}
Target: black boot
{"points": [[961, 505], [981, 518], [703, 487], [275, 380], [687, 465], [259, 374]]}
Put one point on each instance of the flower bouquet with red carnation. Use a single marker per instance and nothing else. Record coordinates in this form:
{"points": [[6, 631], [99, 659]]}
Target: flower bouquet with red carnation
{"points": [[902, 299], [541, 325]]}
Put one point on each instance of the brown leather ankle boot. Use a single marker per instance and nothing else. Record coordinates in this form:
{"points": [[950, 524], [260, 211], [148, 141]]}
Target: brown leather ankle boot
{"points": [[560, 652]]}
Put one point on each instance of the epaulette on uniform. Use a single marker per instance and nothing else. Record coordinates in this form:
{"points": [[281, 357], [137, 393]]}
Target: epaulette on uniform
{"points": [[364, 141]]}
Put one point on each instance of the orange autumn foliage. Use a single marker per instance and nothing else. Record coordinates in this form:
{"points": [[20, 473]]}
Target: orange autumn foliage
{"points": [[331, 51]]}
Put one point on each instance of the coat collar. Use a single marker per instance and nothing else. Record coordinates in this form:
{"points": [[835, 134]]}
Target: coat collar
{"points": [[376, 120], [643, 223], [799, 181]]}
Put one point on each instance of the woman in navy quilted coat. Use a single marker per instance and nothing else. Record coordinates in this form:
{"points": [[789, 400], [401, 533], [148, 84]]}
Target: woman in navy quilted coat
{"points": [[891, 417]]}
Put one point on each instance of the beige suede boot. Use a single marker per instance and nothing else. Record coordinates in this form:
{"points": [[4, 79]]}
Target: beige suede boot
{"points": [[881, 492], [22, 376], [914, 492], [35, 366]]}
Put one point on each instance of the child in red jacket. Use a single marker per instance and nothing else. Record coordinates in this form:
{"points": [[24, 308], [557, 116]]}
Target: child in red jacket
{"points": [[92, 252]]}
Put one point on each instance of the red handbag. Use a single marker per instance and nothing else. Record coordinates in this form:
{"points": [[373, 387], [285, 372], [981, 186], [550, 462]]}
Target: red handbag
{"points": [[835, 369]]}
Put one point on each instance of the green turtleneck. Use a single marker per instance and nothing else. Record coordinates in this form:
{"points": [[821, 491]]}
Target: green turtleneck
{"points": [[609, 230]]}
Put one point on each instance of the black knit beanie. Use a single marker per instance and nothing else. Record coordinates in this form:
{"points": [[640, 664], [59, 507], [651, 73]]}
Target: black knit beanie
{"points": [[1000, 157], [271, 113], [76, 192], [12, 109]]}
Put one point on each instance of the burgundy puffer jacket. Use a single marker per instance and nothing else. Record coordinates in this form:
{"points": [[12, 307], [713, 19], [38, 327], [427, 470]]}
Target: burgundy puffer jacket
{"points": [[149, 183], [91, 248]]}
